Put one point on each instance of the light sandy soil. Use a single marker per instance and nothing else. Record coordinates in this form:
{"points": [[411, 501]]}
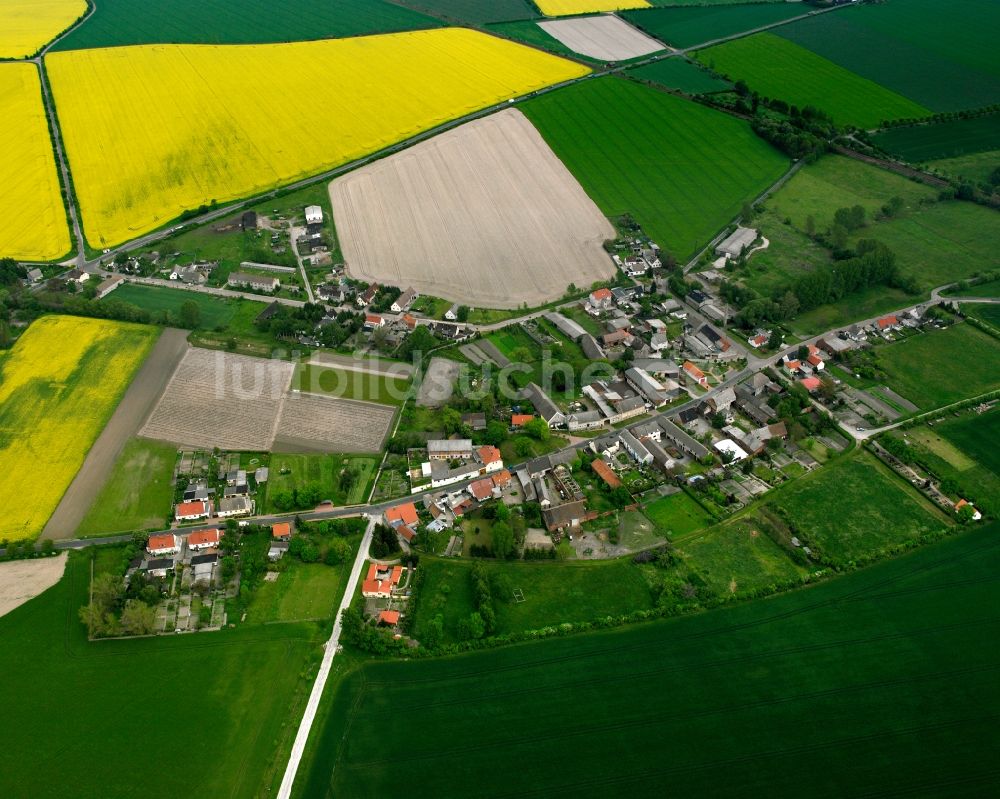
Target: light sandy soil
{"points": [[605, 38], [484, 214], [313, 422], [138, 401], [21, 580], [370, 365], [438, 383]]}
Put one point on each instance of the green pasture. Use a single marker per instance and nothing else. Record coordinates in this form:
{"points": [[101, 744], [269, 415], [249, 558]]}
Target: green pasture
{"points": [[696, 24], [976, 435], [936, 140], [290, 472], [302, 592], [139, 493], [777, 67], [682, 170], [122, 22], [475, 12], [978, 167], [873, 683], [215, 311], [677, 515], [680, 74], [349, 384]]}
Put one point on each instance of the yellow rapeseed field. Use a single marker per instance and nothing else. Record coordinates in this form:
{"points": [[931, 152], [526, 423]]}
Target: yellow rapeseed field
{"points": [[154, 130], [58, 387], [26, 25], [561, 8], [32, 218]]}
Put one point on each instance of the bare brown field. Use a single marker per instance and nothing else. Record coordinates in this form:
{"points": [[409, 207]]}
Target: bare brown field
{"points": [[21, 580], [328, 424], [485, 214], [605, 38], [217, 399]]}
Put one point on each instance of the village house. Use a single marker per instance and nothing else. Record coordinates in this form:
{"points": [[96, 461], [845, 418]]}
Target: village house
{"points": [[475, 421], [695, 374], [887, 323], [682, 441], [544, 406], [158, 567], [204, 539], [380, 581], [191, 511], [107, 286], [364, 299], [452, 313], [584, 420], [234, 506], [635, 448], [164, 544], [567, 516], [373, 321], [759, 339], [35, 275], [404, 301], [77, 276], [605, 472], [520, 419], [446, 449], [255, 282], [314, 215], [646, 385], [600, 300], [281, 531]]}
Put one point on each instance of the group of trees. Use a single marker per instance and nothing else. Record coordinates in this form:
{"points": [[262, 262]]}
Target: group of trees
{"points": [[384, 542], [302, 498]]}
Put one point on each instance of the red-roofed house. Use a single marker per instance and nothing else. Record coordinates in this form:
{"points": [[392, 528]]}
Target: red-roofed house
{"points": [[502, 479], [281, 531], [481, 490], [816, 362], [380, 581], [695, 374], [758, 341], [166, 544], [190, 511], [520, 419], [792, 365], [888, 323], [491, 458], [601, 299], [409, 321], [405, 514], [602, 470], [390, 617], [204, 539], [373, 321], [811, 384], [407, 533], [962, 503]]}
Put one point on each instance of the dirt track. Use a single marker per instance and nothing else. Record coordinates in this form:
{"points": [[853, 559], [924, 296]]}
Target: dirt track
{"points": [[139, 400], [485, 214], [606, 38], [21, 580]]}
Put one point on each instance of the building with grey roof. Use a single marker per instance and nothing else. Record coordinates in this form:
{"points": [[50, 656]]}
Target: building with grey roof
{"points": [[734, 244], [682, 440], [543, 405], [566, 326]]}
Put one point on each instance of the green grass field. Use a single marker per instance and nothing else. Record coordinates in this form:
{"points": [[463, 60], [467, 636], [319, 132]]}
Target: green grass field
{"points": [[123, 22], [475, 11], [873, 509], [215, 311], [348, 384], [922, 143], [553, 592], [878, 682], [139, 493], [302, 592], [246, 686], [677, 515], [985, 313], [680, 74], [686, 27], [777, 67], [976, 435], [977, 167], [290, 472], [990, 288], [945, 62], [682, 170]]}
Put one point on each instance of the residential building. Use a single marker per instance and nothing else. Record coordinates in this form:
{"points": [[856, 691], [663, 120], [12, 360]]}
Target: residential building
{"points": [[635, 448], [520, 419], [109, 285], [373, 321], [646, 385], [490, 458], [234, 506], [364, 299], [605, 472], [567, 516], [314, 215], [158, 567], [544, 406], [281, 531], [204, 539], [447, 449], [695, 374], [380, 581], [255, 282], [475, 421], [191, 511], [404, 301], [684, 442], [452, 313], [600, 299], [165, 544], [77, 276], [586, 420], [203, 566]]}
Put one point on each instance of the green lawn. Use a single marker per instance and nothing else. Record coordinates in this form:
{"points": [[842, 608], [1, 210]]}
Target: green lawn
{"points": [[945, 62], [985, 313], [123, 22], [302, 592], [874, 683], [686, 27], [943, 366], [291, 472], [677, 515], [678, 73], [350, 384], [777, 67], [138, 495], [215, 311], [553, 592], [246, 686], [988, 289], [978, 167], [855, 507], [976, 435], [682, 170], [922, 143]]}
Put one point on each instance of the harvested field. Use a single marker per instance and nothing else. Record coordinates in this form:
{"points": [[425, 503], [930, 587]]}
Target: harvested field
{"points": [[328, 424], [606, 38], [484, 214], [216, 399], [438, 383], [21, 580]]}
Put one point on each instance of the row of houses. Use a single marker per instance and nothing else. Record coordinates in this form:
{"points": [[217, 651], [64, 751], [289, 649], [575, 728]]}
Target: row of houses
{"points": [[224, 508]]}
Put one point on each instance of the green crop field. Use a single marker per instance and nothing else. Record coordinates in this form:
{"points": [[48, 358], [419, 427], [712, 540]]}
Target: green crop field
{"points": [[215, 311], [475, 11], [682, 170], [873, 683], [989, 289], [978, 167], [677, 515], [680, 74], [139, 493], [686, 27], [527, 31], [686, 3], [976, 435], [247, 687], [553, 593], [855, 507], [349, 384], [922, 143], [291, 472], [944, 62], [986, 313], [941, 367], [302, 592], [123, 22], [777, 67]]}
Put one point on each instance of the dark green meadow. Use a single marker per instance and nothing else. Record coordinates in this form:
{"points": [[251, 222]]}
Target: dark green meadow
{"points": [[920, 143], [206, 714], [881, 682], [475, 11], [677, 73], [124, 22], [686, 27]]}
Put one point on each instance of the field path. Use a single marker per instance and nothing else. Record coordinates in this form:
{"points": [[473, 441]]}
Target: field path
{"points": [[139, 399], [305, 726]]}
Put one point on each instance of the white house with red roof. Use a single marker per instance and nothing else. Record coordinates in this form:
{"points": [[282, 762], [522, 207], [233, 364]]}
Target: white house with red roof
{"points": [[373, 321], [380, 581], [192, 511], [887, 323], [164, 544], [600, 299], [490, 458], [405, 514], [811, 384], [204, 539], [695, 374]]}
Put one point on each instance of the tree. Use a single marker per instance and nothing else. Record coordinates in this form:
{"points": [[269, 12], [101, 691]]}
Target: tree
{"points": [[227, 568], [523, 447], [496, 433], [189, 314], [774, 341], [463, 313], [620, 497], [384, 542], [789, 305], [138, 618], [503, 540], [433, 632], [451, 420], [537, 429]]}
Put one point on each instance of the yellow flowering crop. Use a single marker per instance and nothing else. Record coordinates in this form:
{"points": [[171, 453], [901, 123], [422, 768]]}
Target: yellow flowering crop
{"points": [[561, 8], [58, 387], [154, 130], [32, 217], [26, 25]]}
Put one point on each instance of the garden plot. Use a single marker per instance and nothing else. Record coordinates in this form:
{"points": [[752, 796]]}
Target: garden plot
{"points": [[328, 424], [485, 214], [217, 399], [606, 38]]}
